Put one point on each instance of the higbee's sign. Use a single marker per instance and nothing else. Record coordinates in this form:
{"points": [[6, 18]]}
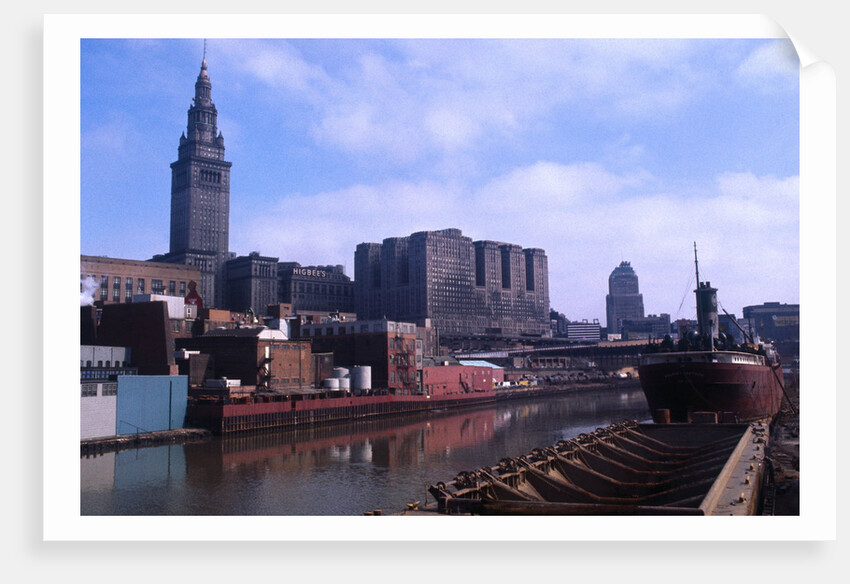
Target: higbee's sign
{"points": [[309, 272]]}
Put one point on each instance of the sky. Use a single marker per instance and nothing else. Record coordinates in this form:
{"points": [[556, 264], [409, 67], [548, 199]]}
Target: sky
{"points": [[595, 150]]}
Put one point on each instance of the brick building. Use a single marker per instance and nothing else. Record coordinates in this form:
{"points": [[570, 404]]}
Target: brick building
{"points": [[144, 327], [106, 280], [388, 347], [258, 356], [315, 288], [463, 287], [443, 376]]}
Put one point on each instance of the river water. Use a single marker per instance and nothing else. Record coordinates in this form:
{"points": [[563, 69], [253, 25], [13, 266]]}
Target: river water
{"points": [[345, 469]]}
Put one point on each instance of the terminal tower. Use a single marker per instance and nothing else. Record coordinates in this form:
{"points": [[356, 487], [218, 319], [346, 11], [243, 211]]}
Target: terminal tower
{"points": [[200, 197]]}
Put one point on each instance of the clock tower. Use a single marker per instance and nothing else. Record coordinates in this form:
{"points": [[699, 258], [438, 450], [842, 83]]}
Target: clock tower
{"points": [[200, 196]]}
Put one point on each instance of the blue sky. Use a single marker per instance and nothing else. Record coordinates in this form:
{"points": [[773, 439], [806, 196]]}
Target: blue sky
{"points": [[595, 150]]}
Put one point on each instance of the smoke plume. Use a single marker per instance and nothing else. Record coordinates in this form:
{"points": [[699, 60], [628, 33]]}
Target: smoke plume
{"points": [[87, 289]]}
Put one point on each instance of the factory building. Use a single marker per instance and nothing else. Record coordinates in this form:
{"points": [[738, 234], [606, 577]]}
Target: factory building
{"points": [[388, 347]]}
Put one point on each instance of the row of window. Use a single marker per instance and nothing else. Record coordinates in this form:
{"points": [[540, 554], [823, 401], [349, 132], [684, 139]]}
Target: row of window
{"points": [[175, 288], [402, 377], [105, 373], [88, 363], [335, 290], [90, 389], [211, 176], [293, 380]]}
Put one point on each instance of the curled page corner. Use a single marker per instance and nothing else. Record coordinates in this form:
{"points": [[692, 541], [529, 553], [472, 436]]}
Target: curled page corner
{"points": [[805, 56]]}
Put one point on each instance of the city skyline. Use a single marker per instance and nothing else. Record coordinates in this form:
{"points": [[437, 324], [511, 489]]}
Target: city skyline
{"points": [[596, 151]]}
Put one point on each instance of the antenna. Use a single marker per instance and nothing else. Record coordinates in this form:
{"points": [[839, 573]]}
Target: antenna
{"points": [[205, 49]]}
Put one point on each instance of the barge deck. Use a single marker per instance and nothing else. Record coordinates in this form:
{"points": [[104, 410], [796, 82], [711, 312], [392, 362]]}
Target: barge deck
{"points": [[623, 469]]}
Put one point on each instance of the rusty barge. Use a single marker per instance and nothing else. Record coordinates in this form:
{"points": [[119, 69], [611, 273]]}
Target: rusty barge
{"points": [[624, 469], [225, 415]]}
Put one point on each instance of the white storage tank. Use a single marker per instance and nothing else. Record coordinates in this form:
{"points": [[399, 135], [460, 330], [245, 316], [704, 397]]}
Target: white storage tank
{"points": [[340, 372], [361, 377], [332, 384], [344, 383]]}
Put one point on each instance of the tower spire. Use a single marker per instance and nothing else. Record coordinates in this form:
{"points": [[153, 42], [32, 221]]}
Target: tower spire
{"points": [[200, 195]]}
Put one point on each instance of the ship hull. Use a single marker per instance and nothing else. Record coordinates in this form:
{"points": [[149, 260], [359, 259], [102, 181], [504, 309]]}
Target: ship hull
{"points": [[679, 391], [225, 418]]}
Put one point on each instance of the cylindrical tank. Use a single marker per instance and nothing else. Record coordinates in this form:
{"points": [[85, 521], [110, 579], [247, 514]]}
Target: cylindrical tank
{"points": [[361, 377], [332, 384], [344, 383], [340, 372]]}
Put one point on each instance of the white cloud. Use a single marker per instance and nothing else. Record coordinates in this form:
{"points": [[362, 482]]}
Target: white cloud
{"points": [[432, 99], [586, 217], [278, 65], [770, 68]]}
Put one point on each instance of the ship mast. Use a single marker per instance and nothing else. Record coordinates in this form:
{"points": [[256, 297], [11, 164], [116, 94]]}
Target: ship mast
{"points": [[699, 312]]}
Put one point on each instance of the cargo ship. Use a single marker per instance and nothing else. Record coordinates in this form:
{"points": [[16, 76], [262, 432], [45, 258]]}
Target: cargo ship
{"points": [[707, 376]]}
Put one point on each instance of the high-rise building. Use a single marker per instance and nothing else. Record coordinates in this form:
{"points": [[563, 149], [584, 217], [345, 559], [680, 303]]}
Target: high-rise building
{"points": [[251, 283], [624, 300], [200, 197], [463, 287]]}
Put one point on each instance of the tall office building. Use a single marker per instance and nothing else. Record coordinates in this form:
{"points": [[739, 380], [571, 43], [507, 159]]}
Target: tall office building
{"points": [[624, 300], [461, 287], [251, 283], [200, 197]]}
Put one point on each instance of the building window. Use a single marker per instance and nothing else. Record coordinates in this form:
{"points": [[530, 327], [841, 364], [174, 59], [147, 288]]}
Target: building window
{"points": [[172, 288], [88, 390], [182, 288], [128, 290], [140, 286], [157, 287]]}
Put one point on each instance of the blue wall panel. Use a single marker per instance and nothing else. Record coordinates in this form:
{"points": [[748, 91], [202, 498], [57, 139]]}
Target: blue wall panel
{"points": [[150, 403]]}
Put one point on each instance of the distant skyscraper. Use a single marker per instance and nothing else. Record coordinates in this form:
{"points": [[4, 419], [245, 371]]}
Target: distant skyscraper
{"points": [[200, 197], [624, 300], [462, 287]]}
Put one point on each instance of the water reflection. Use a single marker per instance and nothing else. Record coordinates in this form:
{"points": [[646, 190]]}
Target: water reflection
{"points": [[344, 469]]}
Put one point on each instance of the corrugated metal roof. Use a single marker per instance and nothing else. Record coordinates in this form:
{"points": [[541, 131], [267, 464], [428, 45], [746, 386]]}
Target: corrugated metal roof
{"points": [[260, 332]]}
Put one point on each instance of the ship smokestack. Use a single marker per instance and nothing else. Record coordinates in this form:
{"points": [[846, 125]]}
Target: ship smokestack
{"points": [[707, 310]]}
